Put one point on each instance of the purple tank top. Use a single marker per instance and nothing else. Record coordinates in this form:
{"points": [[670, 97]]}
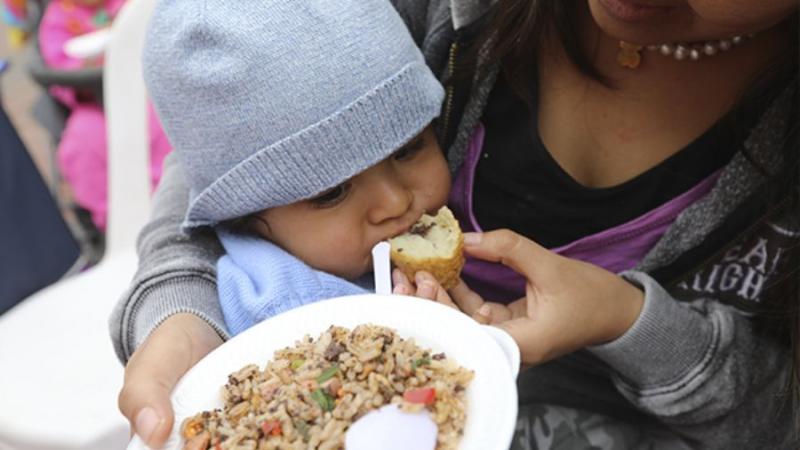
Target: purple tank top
{"points": [[615, 249]]}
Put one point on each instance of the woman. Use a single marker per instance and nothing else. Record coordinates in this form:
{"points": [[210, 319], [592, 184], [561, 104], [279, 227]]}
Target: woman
{"points": [[580, 137]]}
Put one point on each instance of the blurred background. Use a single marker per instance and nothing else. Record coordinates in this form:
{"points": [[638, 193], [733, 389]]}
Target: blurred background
{"points": [[19, 94], [74, 126], [17, 80], [52, 55], [38, 98]]}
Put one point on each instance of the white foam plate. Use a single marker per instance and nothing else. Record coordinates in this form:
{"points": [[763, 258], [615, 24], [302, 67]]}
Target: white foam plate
{"points": [[488, 351]]}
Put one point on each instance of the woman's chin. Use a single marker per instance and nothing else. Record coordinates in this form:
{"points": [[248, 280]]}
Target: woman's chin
{"points": [[641, 26]]}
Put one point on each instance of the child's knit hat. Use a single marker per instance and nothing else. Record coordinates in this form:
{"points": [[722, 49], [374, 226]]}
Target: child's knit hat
{"points": [[268, 102]]}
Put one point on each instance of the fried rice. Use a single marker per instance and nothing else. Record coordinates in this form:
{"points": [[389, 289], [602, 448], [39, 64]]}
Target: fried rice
{"points": [[309, 394]]}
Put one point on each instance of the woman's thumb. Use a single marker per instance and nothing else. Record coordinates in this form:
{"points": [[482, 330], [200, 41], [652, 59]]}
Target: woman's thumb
{"points": [[154, 370], [145, 400], [532, 345], [505, 247]]}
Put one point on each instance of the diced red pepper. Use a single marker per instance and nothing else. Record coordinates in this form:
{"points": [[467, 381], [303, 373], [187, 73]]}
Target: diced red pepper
{"points": [[426, 396], [271, 427]]}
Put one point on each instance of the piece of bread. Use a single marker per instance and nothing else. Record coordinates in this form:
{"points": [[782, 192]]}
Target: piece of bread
{"points": [[433, 244]]}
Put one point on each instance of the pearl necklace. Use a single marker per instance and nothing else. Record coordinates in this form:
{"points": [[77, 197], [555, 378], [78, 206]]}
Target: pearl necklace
{"points": [[629, 54]]}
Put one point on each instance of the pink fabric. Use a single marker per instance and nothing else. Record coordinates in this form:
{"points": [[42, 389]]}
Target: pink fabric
{"points": [[82, 157], [82, 152], [62, 21]]}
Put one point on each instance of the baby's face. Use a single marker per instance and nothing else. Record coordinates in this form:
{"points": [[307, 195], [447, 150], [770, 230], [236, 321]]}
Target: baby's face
{"points": [[336, 230]]}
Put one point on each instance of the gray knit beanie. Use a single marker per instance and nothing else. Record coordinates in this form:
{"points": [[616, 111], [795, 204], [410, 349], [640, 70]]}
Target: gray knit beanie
{"points": [[268, 102]]}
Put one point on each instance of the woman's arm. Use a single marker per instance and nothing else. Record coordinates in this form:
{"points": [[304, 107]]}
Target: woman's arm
{"points": [[176, 271], [150, 327], [704, 370], [701, 368]]}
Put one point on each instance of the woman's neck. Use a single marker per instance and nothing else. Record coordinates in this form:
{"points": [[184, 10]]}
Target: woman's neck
{"points": [[642, 116], [728, 72]]}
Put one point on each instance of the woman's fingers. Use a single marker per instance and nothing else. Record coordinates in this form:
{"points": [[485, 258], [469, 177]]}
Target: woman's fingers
{"points": [[424, 286], [428, 287], [483, 315], [401, 283], [505, 247], [466, 299], [152, 372]]}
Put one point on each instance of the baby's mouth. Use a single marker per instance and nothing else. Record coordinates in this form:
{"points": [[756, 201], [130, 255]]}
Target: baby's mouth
{"points": [[406, 225]]}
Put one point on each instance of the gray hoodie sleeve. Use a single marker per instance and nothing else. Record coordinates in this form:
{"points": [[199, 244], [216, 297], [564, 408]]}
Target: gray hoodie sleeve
{"points": [[176, 271], [702, 369]]}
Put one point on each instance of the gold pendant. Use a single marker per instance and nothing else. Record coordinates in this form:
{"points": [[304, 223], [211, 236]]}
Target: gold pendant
{"points": [[629, 55]]}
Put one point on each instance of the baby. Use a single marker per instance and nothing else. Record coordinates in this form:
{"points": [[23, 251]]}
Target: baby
{"points": [[305, 132]]}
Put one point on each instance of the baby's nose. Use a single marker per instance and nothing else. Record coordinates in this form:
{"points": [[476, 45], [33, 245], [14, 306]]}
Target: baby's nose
{"points": [[390, 198]]}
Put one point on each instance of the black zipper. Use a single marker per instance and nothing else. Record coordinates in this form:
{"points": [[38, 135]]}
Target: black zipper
{"points": [[449, 91]]}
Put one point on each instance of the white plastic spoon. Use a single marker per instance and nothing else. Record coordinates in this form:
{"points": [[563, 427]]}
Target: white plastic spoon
{"points": [[382, 268], [388, 428]]}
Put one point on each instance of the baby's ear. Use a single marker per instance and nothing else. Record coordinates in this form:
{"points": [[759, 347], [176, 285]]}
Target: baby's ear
{"points": [[249, 225], [258, 224]]}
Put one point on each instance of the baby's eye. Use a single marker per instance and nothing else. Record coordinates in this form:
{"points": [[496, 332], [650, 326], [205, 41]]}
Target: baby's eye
{"points": [[409, 150], [331, 197]]}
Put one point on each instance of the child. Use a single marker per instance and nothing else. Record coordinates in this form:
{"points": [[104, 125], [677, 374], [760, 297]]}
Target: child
{"points": [[304, 130], [82, 148]]}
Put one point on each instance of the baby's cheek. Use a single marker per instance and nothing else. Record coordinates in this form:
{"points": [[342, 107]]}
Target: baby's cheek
{"points": [[440, 188], [344, 256]]}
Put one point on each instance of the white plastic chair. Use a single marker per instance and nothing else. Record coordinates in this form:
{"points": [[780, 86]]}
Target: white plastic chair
{"points": [[59, 377]]}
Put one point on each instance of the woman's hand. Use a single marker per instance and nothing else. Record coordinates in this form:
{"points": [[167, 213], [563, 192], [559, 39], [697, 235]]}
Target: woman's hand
{"points": [[154, 369], [568, 304], [425, 286]]}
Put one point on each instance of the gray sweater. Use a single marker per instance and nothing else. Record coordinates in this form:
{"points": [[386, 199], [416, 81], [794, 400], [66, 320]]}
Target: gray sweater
{"points": [[695, 361]]}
